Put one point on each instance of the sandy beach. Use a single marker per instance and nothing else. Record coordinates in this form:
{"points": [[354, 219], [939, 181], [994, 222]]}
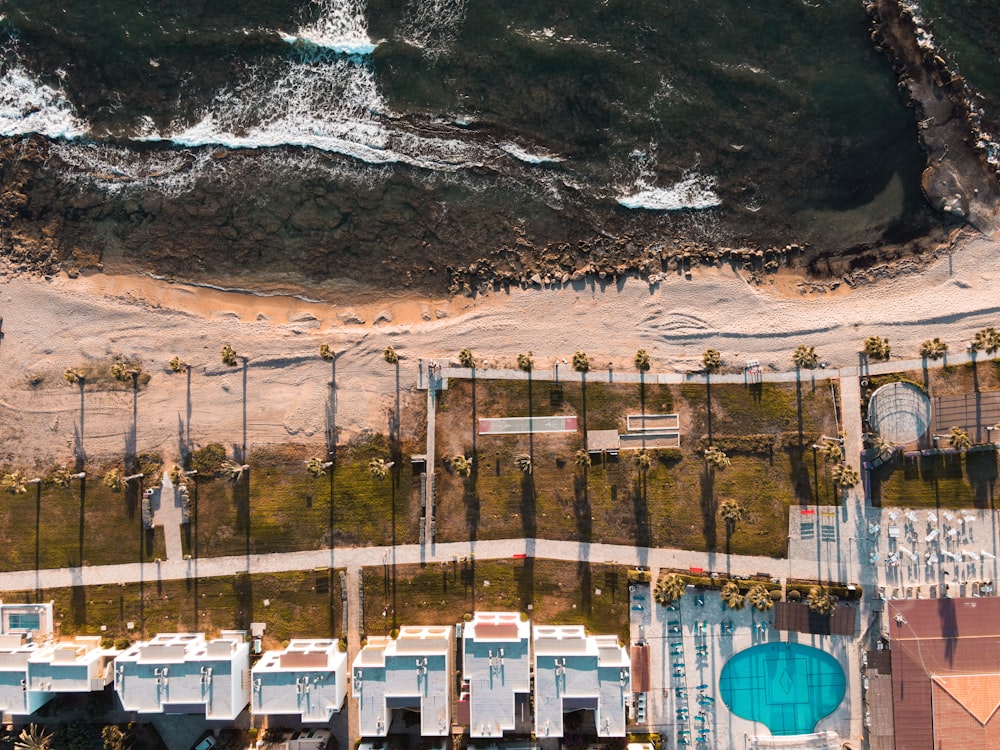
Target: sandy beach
{"points": [[51, 325]]}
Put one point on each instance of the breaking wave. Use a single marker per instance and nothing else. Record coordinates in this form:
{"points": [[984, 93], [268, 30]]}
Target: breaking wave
{"points": [[29, 106], [694, 192]]}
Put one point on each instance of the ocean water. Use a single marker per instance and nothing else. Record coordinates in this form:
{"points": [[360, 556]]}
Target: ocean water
{"points": [[332, 138]]}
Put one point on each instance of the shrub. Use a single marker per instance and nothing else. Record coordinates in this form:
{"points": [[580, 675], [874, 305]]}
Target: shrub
{"points": [[208, 461], [229, 356]]}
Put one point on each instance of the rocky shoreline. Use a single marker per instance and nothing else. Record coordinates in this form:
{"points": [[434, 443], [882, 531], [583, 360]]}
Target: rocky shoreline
{"points": [[961, 178], [339, 241]]}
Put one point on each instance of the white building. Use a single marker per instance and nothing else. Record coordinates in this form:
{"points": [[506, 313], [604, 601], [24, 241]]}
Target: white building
{"points": [[574, 671], [410, 672], [185, 673], [31, 674], [496, 669], [308, 678]]}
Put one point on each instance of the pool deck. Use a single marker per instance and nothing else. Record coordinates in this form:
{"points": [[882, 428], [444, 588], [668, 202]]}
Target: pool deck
{"points": [[704, 651]]}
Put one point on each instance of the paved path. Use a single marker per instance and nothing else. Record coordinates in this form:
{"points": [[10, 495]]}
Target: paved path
{"points": [[355, 557], [169, 515]]}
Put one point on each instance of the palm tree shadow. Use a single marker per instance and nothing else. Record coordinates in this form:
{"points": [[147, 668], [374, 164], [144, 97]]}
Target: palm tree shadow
{"points": [[526, 583], [640, 511], [243, 591], [78, 431], [581, 507], [529, 521], [586, 587], [708, 509], [471, 499]]}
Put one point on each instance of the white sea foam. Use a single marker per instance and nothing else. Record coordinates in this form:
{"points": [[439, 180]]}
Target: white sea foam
{"points": [[29, 106], [432, 25], [694, 192], [526, 156], [327, 104], [116, 169], [341, 27]]}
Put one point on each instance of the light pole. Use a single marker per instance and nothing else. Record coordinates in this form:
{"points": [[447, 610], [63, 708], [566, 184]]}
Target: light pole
{"points": [[194, 513], [815, 450], [193, 474], [38, 515], [142, 531]]}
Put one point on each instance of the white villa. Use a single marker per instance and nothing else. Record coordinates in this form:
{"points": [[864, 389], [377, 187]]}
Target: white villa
{"points": [[574, 671], [185, 673], [496, 669], [411, 672], [32, 674], [308, 678]]}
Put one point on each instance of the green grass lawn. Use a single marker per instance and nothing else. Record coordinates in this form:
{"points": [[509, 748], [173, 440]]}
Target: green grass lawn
{"points": [[289, 510], [74, 525], [299, 604], [550, 591], [768, 431], [946, 480]]}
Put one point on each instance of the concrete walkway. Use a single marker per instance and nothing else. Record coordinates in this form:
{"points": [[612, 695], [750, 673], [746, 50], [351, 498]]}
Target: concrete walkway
{"points": [[169, 515], [355, 557]]}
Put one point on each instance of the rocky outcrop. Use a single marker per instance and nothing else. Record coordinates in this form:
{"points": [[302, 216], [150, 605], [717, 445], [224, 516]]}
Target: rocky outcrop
{"points": [[959, 179]]}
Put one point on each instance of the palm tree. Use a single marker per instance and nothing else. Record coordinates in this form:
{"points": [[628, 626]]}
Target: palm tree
{"points": [[832, 452], [845, 476], [877, 349], [390, 356], [14, 483], [60, 477], [987, 340], [582, 459], [33, 737], [882, 446], [821, 601], [805, 357], [317, 467], [326, 353], [760, 598], [379, 468], [959, 439], [731, 595], [461, 465], [643, 460], [669, 588], [124, 371], [933, 348], [234, 469], [731, 512], [523, 461], [229, 356], [716, 458], [114, 737], [642, 361], [72, 377], [465, 358], [525, 362], [114, 480], [178, 365], [581, 362], [711, 360]]}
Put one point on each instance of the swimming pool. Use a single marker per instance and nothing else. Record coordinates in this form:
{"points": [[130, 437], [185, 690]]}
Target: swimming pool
{"points": [[786, 686]]}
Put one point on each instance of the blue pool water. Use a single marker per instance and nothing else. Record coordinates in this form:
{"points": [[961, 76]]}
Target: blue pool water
{"points": [[786, 686]]}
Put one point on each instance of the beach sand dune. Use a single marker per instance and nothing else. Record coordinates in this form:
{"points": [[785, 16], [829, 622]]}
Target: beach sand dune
{"points": [[50, 326]]}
